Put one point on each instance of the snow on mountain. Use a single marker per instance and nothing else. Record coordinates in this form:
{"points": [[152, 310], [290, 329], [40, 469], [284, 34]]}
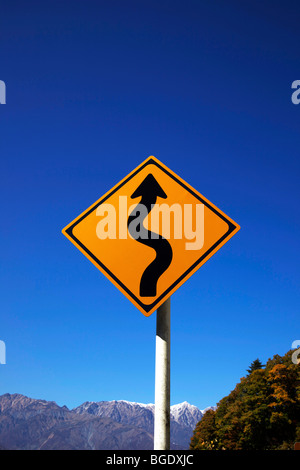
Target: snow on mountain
{"points": [[186, 414], [27, 423], [34, 424], [184, 417]]}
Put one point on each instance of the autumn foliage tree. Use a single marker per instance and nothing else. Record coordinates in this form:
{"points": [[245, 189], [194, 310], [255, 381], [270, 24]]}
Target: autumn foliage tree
{"points": [[261, 413]]}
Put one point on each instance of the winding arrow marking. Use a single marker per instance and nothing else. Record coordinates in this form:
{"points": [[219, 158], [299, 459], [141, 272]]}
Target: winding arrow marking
{"points": [[150, 190]]}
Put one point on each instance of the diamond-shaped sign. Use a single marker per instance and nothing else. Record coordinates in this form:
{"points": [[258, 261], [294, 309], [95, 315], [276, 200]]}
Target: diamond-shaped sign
{"points": [[150, 233]]}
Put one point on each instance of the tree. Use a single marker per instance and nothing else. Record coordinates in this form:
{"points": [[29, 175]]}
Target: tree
{"points": [[261, 413], [255, 365], [204, 437]]}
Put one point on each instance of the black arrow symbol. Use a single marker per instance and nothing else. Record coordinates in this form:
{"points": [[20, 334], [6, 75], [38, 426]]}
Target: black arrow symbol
{"points": [[149, 190]]}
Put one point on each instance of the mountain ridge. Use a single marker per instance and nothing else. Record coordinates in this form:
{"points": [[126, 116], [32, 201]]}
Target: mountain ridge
{"points": [[28, 423]]}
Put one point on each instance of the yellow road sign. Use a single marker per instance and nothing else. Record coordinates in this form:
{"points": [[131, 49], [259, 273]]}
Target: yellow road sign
{"points": [[150, 233]]}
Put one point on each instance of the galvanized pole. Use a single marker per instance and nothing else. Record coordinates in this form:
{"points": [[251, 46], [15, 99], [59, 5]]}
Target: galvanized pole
{"points": [[162, 378]]}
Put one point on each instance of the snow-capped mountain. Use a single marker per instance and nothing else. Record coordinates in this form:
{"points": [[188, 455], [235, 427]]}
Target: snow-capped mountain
{"points": [[121, 411], [28, 423], [186, 414], [184, 417]]}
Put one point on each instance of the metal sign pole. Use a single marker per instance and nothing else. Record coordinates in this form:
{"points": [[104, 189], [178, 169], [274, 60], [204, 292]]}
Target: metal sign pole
{"points": [[162, 378]]}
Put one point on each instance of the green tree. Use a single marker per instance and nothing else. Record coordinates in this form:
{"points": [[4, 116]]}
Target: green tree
{"points": [[284, 404], [204, 437], [242, 417], [255, 365], [261, 413]]}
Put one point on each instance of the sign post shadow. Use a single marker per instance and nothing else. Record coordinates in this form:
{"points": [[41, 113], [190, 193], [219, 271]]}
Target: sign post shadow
{"points": [[162, 378]]}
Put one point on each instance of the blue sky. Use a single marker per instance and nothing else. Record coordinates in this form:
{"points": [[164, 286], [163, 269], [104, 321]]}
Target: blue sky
{"points": [[93, 89]]}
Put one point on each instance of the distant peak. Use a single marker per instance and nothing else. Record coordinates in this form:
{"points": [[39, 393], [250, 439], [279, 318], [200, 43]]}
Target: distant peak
{"points": [[133, 403], [183, 404]]}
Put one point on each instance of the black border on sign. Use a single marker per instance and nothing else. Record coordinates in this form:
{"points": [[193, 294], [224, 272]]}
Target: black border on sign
{"points": [[147, 307]]}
